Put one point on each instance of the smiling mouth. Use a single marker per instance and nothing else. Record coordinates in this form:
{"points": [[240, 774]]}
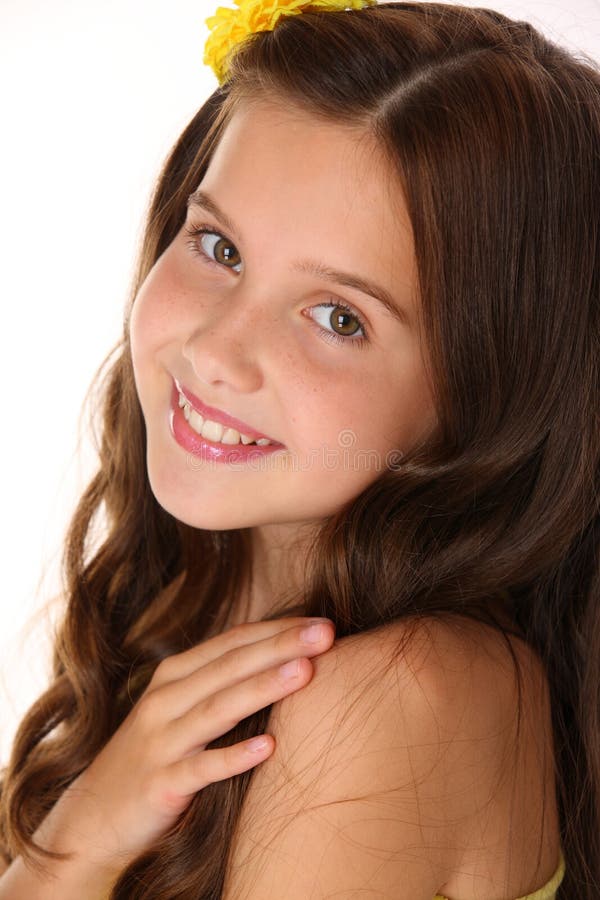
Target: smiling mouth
{"points": [[214, 431]]}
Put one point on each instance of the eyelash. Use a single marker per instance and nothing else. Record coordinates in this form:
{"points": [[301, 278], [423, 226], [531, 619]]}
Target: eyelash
{"points": [[195, 232]]}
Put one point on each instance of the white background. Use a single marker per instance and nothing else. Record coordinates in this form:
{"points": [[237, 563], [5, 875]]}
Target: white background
{"points": [[92, 96]]}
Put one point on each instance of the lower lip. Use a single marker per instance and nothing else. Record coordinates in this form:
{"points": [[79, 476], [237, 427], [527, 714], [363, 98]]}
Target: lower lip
{"points": [[191, 441]]}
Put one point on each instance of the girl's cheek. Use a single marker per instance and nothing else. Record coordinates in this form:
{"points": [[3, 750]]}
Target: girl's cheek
{"points": [[158, 305], [150, 327], [140, 317]]}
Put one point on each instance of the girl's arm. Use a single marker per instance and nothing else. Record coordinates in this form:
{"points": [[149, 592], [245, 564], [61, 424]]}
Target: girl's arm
{"points": [[72, 881], [85, 875], [71, 826]]}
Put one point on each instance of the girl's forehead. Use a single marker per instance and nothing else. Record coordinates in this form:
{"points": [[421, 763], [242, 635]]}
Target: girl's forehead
{"points": [[287, 153], [272, 120]]}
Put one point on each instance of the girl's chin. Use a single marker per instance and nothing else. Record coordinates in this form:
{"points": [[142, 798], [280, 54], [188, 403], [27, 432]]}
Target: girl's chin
{"points": [[198, 510]]}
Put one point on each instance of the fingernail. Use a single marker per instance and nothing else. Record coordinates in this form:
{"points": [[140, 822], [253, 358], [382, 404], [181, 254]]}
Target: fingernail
{"points": [[312, 634], [256, 744], [290, 669]]}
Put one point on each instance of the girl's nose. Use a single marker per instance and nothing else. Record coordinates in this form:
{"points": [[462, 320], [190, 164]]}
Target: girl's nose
{"points": [[226, 351]]}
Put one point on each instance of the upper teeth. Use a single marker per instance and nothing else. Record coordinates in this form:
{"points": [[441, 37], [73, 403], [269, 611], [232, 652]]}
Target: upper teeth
{"points": [[212, 430]]}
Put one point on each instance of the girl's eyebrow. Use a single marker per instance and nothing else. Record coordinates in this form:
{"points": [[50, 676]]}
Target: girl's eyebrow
{"points": [[204, 200], [311, 267]]}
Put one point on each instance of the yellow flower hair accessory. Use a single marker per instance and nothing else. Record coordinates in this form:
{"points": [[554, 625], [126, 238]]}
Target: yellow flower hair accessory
{"points": [[230, 26]]}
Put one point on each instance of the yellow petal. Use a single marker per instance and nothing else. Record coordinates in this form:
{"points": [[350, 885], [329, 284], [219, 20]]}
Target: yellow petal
{"points": [[229, 27]]}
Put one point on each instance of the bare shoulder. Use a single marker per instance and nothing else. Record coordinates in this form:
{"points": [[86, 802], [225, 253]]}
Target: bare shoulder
{"points": [[334, 811], [500, 759], [399, 771]]}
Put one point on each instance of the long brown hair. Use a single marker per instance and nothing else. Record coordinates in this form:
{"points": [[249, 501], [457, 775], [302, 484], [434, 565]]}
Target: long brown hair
{"points": [[494, 134]]}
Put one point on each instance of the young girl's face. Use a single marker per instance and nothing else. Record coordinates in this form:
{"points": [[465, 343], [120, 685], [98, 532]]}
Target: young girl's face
{"points": [[246, 318]]}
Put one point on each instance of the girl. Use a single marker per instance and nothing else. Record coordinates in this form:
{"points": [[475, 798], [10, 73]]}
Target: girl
{"points": [[358, 382]]}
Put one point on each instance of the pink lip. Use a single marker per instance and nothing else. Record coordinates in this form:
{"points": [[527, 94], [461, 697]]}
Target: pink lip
{"points": [[216, 415]]}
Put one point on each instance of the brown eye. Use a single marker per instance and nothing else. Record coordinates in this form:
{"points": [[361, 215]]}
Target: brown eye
{"points": [[343, 319], [219, 249], [346, 323]]}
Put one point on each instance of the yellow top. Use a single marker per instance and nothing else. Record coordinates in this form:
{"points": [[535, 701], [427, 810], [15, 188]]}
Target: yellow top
{"points": [[547, 892]]}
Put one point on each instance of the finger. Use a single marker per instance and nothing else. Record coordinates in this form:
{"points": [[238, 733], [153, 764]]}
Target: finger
{"points": [[238, 664], [187, 776], [221, 711], [179, 665]]}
